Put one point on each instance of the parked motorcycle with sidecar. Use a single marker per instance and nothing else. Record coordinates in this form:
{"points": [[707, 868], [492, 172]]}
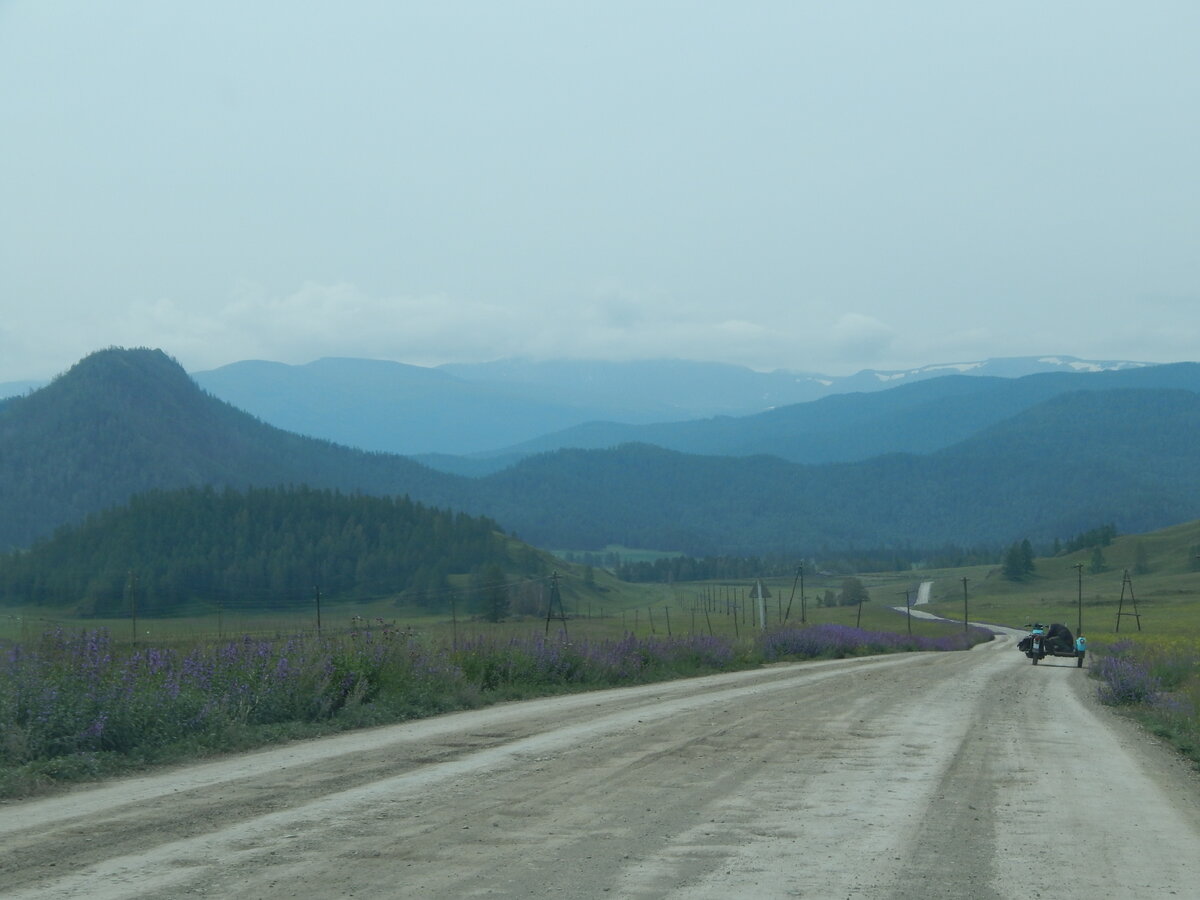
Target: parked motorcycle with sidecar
{"points": [[1056, 640]]}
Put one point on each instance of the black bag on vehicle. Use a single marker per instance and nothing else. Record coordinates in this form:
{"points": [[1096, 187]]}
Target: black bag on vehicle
{"points": [[1059, 637]]}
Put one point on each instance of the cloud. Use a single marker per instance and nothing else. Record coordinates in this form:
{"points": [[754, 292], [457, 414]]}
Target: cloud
{"points": [[607, 321], [318, 320], [855, 336], [342, 320]]}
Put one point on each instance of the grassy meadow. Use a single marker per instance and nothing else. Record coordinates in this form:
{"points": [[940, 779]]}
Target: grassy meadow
{"points": [[597, 606], [87, 698], [1164, 590], [83, 699]]}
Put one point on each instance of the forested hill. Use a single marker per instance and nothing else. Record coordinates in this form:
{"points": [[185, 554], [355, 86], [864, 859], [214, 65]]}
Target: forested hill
{"points": [[264, 546], [121, 422], [918, 417], [1054, 470]]}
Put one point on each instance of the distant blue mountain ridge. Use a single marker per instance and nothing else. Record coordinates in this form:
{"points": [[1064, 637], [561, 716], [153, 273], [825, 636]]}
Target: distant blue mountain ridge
{"points": [[477, 418], [957, 459], [509, 408]]}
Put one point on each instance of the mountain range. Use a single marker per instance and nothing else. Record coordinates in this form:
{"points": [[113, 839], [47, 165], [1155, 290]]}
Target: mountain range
{"points": [[478, 418], [915, 417], [956, 459], [494, 413]]}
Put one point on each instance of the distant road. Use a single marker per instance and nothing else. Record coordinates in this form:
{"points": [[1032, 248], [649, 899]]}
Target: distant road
{"points": [[936, 775], [923, 593]]}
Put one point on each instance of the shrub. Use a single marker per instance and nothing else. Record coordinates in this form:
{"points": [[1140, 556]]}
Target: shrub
{"points": [[1125, 681]]}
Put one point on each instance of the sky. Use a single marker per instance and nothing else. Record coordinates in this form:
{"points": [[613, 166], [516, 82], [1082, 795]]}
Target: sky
{"points": [[812, 186]]}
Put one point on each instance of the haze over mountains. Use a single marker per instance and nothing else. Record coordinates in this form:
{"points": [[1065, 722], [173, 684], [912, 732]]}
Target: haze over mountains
{"points": [[956, 459], [508, 408], [513, 407]]}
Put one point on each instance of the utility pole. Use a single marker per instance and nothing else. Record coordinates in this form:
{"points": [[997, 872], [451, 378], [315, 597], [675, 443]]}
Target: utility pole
{"points": [[908, 610], [1128, 582], [964, 604], [799, 575], [803, 606], [133, 579], [1079, 602], [317, 592]]}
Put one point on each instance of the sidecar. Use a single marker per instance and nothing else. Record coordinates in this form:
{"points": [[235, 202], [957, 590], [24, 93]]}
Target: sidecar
{"points": [[1057, 640]]}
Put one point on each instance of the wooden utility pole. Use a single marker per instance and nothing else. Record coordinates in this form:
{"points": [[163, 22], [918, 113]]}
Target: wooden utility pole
{"points": [[965, 614], [803, 606], [1079, 601], [133, 579], [799, 572]]}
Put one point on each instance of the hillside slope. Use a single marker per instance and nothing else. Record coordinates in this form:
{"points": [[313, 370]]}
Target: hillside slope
{"points": [[124, 421], [1061, 467], [920, 417], [260, 547], [483, 408], [387, 406]]}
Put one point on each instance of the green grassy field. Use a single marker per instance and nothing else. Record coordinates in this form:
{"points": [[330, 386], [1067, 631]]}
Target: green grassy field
{"points": [[1152, 677], [1165, 594], [600, 609]]}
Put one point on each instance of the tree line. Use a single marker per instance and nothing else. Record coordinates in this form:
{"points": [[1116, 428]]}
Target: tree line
{"points": [[167, 550], [667, 570]]}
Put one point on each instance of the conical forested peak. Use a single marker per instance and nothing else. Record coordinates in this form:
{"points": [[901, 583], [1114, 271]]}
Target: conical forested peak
{"points": [[120, 362], [120, 422], [126, 384], [132, 373]]}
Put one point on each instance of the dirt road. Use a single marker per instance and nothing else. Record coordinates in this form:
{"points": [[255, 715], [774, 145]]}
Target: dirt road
{"points": [[912, 776]]}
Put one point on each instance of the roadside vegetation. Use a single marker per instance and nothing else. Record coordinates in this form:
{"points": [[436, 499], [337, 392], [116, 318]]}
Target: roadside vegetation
{"points": [[79, 705], [82, 698], [1157, 682]]}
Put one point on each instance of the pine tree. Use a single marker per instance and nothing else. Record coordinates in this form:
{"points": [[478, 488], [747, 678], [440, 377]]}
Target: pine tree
{"points": [[1027, 566], [853, 592], [1014, 564]]}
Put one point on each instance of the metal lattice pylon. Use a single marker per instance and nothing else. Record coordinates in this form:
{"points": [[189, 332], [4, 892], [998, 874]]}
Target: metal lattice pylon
{"points": [[556, 600], [1128, 582]]}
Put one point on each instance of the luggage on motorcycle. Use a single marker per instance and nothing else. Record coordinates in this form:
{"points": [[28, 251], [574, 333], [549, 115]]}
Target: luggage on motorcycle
{"points": [[1060, 639]]}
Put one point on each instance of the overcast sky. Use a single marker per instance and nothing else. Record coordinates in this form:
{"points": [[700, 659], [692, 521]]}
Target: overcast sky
{"points": [[815, 186]]}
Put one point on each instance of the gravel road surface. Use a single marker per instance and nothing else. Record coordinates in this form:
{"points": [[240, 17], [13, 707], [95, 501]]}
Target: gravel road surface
{"points": [[940, 775]]}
